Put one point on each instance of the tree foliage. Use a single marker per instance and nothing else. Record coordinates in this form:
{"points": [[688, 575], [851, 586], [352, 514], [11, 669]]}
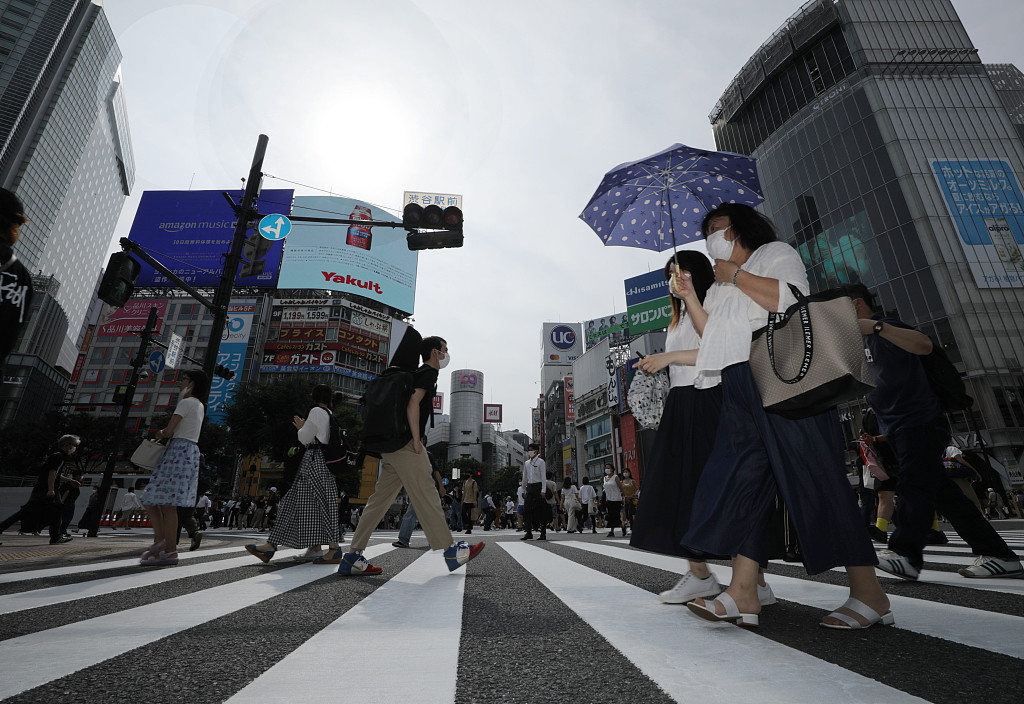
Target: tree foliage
{"points": [[23, 445], [506, 481]]}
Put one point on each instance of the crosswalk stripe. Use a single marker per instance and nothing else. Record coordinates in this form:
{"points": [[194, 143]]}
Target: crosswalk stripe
{"points": [[1007, 585], [419, 655], [146, 577], [37, 658], [100, 566], [691, 659], [977, 628]]}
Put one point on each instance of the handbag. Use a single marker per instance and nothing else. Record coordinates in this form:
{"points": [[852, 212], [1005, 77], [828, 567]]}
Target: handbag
{"points": [[148, 454], [810, 357], [872, 462], [646, 398]]}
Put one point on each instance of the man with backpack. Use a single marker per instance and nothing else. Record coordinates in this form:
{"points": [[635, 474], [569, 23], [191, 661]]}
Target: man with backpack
{"points": [[408, 465], [911, 417]]}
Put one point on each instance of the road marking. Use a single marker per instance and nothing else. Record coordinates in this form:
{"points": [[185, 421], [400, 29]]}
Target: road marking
{"points": [[994, 632], [692, 659], [99, 566], [408, 631], [37, 658]]}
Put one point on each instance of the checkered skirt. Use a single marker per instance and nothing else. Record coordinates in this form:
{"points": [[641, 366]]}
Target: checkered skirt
{"points": [[308, 514], [176, 477]]}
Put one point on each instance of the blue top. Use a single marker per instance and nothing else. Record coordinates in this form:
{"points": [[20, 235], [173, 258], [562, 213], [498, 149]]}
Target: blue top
{"points": [[902, 397]]}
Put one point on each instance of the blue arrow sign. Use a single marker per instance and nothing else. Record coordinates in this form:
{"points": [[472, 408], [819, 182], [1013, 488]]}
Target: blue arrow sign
{"points": [[156, 361], [275, 227]]}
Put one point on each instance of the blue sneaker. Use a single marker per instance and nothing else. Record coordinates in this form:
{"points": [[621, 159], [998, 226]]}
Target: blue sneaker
{"points": [[354, 564], [460, 553]]}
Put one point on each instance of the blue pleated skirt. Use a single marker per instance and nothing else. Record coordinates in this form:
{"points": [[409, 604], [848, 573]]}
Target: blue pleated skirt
{"points": [[757, 454], [682, 445]]}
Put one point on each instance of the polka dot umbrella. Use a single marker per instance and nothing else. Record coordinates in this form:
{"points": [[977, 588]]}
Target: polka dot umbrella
{"points": [[659, 202]]}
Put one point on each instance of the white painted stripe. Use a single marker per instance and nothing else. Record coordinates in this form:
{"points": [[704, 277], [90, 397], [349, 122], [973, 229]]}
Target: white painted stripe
{"points": [[145, 577], [99, 566], [692, 659], [994, 632], [1006, 585], [37, 658], [408, 631]]}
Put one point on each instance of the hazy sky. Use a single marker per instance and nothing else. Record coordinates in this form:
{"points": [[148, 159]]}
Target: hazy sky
{"points": [[521, 107]]}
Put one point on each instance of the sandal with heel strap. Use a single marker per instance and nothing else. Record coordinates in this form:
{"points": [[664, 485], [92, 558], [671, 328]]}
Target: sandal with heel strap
{"points": [[852, 624], [732, 612]]}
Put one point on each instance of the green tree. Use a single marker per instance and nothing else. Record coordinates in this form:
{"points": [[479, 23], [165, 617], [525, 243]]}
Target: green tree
{"points": [[260, 416], [506, 481]]}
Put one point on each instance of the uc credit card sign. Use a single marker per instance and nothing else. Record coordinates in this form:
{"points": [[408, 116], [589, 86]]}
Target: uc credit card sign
{"points": [[359, 260], [647, 302]]}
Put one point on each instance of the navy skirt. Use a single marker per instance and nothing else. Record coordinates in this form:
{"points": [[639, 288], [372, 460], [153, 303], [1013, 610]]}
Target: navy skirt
{"points": [[682, 445], [759, 454]]}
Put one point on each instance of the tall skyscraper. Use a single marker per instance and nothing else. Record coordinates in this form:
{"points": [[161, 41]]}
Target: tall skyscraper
{"points": [[891, 155], [64, 143]]}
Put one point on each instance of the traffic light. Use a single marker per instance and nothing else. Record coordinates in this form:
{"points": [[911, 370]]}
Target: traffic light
{"points": [[118, 282], [256, 247], [446, 225], [223, 372]]}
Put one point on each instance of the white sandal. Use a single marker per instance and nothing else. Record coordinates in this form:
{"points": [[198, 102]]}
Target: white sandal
{"points": [[732, 612], [859, 607]]}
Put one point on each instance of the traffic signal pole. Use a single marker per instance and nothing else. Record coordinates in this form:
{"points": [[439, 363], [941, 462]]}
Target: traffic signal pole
{"points": [[222, 297], [126, 404]]}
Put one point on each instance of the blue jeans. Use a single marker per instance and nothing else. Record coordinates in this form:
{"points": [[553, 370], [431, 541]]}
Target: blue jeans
{"points": [[408, 524]]}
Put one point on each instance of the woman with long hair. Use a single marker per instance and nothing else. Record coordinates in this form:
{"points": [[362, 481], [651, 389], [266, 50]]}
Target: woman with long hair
{"points": [[308, 513], [175, 479], [758, 454]]}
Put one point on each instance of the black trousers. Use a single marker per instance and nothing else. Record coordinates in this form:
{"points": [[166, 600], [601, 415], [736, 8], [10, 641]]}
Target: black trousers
{"points": [[467, 515], [535, 509], [923, 488]]}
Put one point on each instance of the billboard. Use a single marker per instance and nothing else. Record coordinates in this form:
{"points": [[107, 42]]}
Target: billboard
{"points": [[647, 302], [492, 413], [189, 232], [561, 343], [984, 200], [570, 400], [231, 355], [354, 259], [438, 403], [614, 326], [131, 319]]}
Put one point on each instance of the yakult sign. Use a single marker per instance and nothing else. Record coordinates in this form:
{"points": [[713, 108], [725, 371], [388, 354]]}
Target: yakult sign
{"points": [[561, 343]]}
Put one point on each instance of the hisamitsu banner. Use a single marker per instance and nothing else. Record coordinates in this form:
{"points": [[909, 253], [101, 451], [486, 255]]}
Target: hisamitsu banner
{"points": [[647, 302]]}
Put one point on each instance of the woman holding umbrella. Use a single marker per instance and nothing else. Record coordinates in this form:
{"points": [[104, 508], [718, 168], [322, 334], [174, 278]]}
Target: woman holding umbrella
{"points": [[757, 454]]}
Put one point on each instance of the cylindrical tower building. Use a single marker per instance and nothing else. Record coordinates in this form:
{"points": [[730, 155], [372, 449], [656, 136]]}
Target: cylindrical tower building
{"points": [[467, 414]]}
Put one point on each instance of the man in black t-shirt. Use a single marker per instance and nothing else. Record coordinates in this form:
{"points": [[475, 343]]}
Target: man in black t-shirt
{"points": [[911, 418], [15, 281], [410, 467]]}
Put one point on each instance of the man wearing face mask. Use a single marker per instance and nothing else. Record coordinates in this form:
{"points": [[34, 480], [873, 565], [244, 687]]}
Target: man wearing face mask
{"points": [[410, 467], [534, 483]]}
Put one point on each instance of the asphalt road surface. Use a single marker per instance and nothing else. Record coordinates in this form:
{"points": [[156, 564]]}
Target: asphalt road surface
{"points": [[575, 619]]}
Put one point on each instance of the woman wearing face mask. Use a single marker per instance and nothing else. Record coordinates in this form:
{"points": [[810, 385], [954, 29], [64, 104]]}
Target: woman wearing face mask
{"points": [[613, 500], [175, 479], [757, 454], [629, 498], [308, 514], [569, 498]]}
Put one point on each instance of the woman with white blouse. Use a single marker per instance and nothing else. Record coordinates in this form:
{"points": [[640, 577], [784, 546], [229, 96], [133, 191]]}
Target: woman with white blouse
{"points": [[308, 515], [569, 499], [759, 454], [175, 479]]}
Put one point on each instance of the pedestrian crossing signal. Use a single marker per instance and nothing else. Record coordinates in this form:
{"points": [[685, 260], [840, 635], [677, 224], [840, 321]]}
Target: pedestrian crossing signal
{"points": [[446, 226], [118, 282]]}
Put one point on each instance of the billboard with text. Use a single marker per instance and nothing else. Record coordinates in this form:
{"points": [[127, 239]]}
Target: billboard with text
{"points": [[647, 302]]}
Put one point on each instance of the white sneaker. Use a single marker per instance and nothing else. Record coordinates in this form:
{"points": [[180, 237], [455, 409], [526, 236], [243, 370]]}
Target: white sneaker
{"points": [[765, 595], [993, 567], [689, 588], [312, 553]]}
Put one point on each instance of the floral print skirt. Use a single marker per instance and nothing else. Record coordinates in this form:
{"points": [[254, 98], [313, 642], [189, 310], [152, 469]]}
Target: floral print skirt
{"points": [[176, 478]]}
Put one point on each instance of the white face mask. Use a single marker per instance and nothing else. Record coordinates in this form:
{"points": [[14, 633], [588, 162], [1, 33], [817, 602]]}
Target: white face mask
{"points": [[608, 472], [718, 246], [443, 361], [533, 453]]}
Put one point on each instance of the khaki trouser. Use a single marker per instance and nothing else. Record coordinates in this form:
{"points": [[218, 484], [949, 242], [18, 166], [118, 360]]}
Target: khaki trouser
{"points": [[413, 471]]}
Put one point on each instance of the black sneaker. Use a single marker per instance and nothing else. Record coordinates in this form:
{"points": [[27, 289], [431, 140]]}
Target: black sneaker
{"points": [[197, 538], [937, 537], [528, 536], [62, 539], [878, 535]]}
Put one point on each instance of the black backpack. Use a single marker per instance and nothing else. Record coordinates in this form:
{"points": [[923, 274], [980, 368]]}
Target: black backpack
{"points": [[337, 451], [945, 380], [383, 410]]}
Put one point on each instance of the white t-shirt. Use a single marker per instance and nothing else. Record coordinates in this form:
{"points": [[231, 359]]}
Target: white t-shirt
{"points": [[510, 506], [571, 491], [682, 337], [191, 411], [733, 315], [587, 493], [317, 425], [521, 495], [611, 489]]}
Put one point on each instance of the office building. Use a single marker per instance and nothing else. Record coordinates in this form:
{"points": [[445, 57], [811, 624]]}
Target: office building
{"points": [[64, 144], [891, 155]]}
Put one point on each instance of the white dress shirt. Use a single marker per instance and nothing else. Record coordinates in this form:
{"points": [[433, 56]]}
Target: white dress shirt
{"points": [[534, 472], [682, 337]]}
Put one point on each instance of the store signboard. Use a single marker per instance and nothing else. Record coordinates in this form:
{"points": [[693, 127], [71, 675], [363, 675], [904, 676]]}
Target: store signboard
{"points": [[561, 343], [131, 319], [231, 355], [492, 413], [647, 302]]}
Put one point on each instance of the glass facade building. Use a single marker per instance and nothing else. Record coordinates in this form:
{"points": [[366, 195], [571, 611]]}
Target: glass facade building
{"points": [[890, 155], [64, 143]]}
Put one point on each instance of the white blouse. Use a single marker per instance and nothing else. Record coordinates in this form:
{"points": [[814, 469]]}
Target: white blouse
{"points": [[682, 337], [733, 315], [317, 426]]}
